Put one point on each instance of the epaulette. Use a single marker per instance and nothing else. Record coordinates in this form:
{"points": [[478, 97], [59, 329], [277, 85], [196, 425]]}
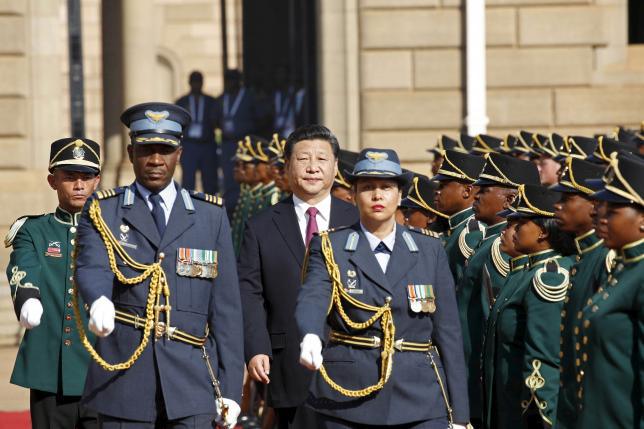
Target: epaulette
{"points": [[551, 292], [212, 199], [15, 227], [473, 225], [409, 241], [501, 265], [424, 231], [109, 193]]}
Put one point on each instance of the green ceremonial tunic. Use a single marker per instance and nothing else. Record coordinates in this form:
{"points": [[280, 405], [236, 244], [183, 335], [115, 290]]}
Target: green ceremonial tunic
{"points": [[473, 311], [239, 217], [269, 194], [590, 271], [51, 357], [521, 358], [464, 234], [611, 342]]}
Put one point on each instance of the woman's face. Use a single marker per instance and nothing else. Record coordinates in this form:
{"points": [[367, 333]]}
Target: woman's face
{"points": [[621, 225], [377, 199], [528, 237], [416, 218], [507, 239]]}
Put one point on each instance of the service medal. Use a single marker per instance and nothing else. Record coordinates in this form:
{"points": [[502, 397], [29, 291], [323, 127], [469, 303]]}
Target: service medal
{"points": [[416, 306]]}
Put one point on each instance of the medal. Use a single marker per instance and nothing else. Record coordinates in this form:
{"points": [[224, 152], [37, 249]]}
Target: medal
{"points": [[425, 306], [414, 303], [431, 306], [416, 306]]}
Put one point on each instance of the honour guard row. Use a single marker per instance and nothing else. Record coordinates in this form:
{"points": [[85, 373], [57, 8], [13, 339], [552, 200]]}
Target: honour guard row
{"points": [[505, 291]]}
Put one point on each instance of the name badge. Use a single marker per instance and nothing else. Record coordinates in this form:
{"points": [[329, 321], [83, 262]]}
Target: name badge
{"points": [[199, 263], [195, 130]]}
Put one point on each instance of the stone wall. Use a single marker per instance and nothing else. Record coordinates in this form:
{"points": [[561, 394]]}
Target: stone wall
{"points": [[551, 65]]}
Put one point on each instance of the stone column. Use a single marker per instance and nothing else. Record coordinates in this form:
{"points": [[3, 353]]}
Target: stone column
{"points": [[139, 51]]}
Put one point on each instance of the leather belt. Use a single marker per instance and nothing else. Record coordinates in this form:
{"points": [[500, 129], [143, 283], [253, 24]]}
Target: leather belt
{"points": [[160, 329], [375, 343]]}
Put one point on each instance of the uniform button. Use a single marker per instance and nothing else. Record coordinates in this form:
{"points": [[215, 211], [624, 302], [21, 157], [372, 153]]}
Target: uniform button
{"points": [[578, 378], [576, 330], [577, 258], [579, 315], [72, 241], [577, 362], [71, 278], [595, 308], [71, 266], [69, 305], [567, 299], [563, 313], [561, 328], [577, 346], [584, 357], [70, 291], [72, 229], [68, 343], [586, 323], [68, 317], [584, 340], [605, 295], [68, 329], [161, 255], [573, 271]]}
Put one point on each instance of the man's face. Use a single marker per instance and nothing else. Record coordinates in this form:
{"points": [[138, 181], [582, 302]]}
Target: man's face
{"points": [[73, 188], [548, 170], [574, 213], [450, 196], [489, 201], [196, 85], [239, 173], [377, 199], [343, 193], [600, 208], [311, 169], [154, 164]]}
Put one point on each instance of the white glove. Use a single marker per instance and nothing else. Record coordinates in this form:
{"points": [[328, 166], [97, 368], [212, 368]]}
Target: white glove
{"points": [[455, 426], [30, 313], [311, 352], [231, 417], [101, 317]]}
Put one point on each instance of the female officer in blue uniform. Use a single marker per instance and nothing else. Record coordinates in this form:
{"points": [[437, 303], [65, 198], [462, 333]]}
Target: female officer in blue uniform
{"points": [[521, 354], [384, 294]]}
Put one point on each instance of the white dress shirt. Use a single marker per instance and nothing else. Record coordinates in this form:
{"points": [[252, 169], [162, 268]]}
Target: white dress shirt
{"points": [[168, 195], [389, 241], [324, 214]]}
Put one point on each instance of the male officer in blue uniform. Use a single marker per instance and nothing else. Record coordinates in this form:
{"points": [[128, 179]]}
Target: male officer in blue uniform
{"points": [[387, 295], [158, 260], [51, 360]]}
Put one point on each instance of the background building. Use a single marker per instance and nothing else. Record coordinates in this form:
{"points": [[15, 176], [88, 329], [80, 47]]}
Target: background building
{"points": [[384, 73]]}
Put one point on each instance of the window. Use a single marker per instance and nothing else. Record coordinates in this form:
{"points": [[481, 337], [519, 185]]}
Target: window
{"points": [[635, 21]]}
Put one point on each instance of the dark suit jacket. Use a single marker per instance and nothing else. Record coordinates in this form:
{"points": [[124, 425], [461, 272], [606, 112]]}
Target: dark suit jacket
{"points": [[270, 265], [412, 393], [176, 368], [211, 117]]}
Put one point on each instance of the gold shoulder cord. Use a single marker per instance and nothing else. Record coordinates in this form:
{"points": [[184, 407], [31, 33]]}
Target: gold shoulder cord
{"points": [[380, 313], [158, 285]]}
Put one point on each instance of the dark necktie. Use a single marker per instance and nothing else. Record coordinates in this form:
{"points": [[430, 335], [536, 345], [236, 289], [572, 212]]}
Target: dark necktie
{"points": [[312, 225], [157, 212], [381, 248]]}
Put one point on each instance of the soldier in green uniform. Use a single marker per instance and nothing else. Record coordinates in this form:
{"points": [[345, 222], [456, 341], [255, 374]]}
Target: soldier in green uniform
{"points": [[51, 360], [341, 187], [268, 194], [487, 268], [276, 149], [239, 213], [610, 339], [574, 215], [521, 356], [444, 143], [418, 207], [454, 197]]}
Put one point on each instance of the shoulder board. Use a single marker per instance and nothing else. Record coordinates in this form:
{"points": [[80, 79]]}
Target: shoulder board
{"points": [[501, 265], [212, 199], [409, 241], [337, 228], [15, 227], [109, 193], [610, 260], [424, 231], [545, 287], [352, 242]]}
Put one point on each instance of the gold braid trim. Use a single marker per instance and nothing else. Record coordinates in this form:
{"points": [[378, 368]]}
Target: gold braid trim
{"points": [[534, 382], [158, 285], [338, 295]]}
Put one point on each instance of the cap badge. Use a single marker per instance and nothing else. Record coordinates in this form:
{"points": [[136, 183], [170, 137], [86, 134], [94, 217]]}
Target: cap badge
{"points": [[78, 152], [156, 116], [376, 156]]}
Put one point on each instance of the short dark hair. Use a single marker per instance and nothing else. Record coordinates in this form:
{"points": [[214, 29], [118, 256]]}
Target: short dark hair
{"points": [[560, 241], [311, 132], [196, 76]]}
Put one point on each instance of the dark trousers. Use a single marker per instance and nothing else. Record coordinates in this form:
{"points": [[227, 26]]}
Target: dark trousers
{"points": [[53, 411], [328, 422], [200, 157], [202, 421], [301, 417]]}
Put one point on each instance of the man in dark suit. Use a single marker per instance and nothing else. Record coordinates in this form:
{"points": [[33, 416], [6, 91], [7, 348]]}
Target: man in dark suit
{"points": [[158, 260], [270, 265], [199, 145]]}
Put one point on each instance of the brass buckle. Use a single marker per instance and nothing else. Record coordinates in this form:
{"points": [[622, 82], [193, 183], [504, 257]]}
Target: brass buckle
{"points": [[398, 345], [376, 342], [159, 329]]}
